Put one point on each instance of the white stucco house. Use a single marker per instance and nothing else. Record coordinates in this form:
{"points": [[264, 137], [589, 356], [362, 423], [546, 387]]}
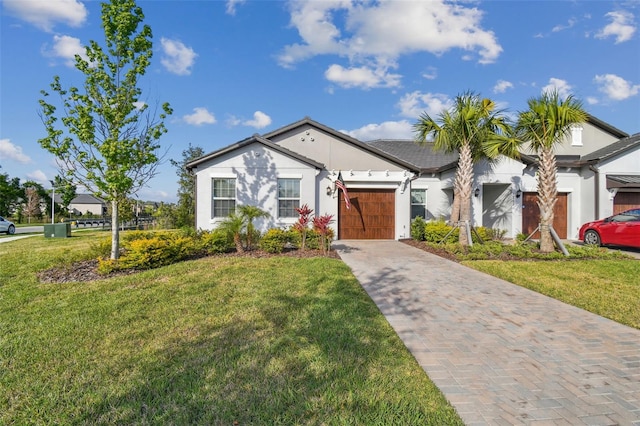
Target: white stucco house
{"points": [[391, 181], [85, 203]]}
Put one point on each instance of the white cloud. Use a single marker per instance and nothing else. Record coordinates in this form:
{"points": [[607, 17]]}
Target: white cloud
{"points": [[570, 23], [45, 14], [260, 120], [502, 86], [592, 100], [156, 195], [199, 117], [430, 74], [38, 176], [615, 87], [561, 86], [9, 151], [178, 58], [66, 47], [232, 4], [621, 27], [363, 77], [387, 130], [381, 32], [413, 104], [233, 121]]}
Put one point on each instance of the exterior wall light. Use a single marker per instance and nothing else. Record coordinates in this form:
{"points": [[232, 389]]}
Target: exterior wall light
{"points": [[329, 190], [518, 193], [476, 193]]}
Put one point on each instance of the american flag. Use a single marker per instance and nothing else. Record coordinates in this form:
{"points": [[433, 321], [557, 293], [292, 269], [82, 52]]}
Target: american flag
{"points": [[340, 184]]}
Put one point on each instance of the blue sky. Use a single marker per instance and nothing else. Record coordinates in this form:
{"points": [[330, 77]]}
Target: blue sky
{"points": [[233, 68]]}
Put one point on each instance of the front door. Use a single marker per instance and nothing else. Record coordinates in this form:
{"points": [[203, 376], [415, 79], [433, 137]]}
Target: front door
{"points": [[531, 214]]}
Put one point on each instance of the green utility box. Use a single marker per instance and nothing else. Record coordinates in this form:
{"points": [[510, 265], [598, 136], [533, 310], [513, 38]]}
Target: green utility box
{"points": [[57, 230]]}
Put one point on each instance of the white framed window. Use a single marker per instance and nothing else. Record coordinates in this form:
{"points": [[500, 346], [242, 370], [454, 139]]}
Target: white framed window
{"points": [[223, 200], [576, 135], [288, 197], [418, 203]]}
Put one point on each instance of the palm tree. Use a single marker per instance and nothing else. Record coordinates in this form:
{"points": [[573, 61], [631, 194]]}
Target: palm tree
{"points": [[545, 124], [233, 225], [249, 213], [466, 128]]}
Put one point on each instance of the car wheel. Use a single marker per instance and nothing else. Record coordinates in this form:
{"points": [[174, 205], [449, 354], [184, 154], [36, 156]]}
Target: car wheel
{"points": [[11, 230], [592, 237]]}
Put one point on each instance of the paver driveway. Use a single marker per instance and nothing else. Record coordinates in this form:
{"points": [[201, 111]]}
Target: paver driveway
{"points": [[501, 354]]}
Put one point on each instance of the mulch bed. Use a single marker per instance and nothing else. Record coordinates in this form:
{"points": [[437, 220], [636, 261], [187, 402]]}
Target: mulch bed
{"points": [[87, 270]]}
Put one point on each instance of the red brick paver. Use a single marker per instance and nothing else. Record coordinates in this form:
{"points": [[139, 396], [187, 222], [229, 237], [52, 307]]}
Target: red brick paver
{"points": [[501, 354]]}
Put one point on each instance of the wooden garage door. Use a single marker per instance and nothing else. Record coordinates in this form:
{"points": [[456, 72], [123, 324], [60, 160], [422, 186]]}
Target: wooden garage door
{"points": [[371, 217], [531, 214], [625, 201]]}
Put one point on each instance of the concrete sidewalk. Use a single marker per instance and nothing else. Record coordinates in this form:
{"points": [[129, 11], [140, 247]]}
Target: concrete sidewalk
{"points": [[501, 354]]}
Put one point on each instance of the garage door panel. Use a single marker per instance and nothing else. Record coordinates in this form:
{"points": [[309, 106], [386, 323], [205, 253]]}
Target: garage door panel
{"points": [[372, 214], [625, 201]]}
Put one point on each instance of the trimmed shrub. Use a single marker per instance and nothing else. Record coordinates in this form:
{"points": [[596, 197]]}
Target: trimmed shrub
{"points": [[314, 239], [418, 228], [436, 230], [100, 248], [215, 241], [106, 266], [275, 240], [146, 250]]}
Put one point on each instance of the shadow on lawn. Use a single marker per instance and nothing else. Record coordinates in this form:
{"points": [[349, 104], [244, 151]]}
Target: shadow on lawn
{"points": [[327, 357]]}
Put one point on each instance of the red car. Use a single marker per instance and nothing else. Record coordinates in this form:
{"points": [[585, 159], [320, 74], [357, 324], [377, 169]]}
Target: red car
{"points": [[622, 229]]}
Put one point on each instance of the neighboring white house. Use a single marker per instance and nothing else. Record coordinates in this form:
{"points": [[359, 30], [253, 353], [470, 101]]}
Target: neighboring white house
{"points": [[85, 203], [392, 181]]}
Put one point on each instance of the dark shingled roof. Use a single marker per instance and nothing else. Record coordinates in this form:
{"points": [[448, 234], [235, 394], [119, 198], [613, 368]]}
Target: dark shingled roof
{"points": [[424, 158], [81, 199]]}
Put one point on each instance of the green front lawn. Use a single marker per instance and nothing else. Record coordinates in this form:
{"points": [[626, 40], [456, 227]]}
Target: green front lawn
{"points": [[211, 341]]}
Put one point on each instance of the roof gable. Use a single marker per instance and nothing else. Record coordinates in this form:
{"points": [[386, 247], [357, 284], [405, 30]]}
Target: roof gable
{"points": [[281, 134], [614, 149], [248, 141], [606, 127]]}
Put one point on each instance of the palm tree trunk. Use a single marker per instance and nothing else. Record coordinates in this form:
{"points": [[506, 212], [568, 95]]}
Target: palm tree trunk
{"points": [[547, 196], [237, 240], [464, 181], [455, 207]]}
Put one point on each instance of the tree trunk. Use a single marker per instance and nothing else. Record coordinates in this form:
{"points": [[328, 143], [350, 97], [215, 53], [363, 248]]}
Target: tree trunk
{"points": [[238, 243], [464, 182], [455, 207], [547, 196], [115, 231]]}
